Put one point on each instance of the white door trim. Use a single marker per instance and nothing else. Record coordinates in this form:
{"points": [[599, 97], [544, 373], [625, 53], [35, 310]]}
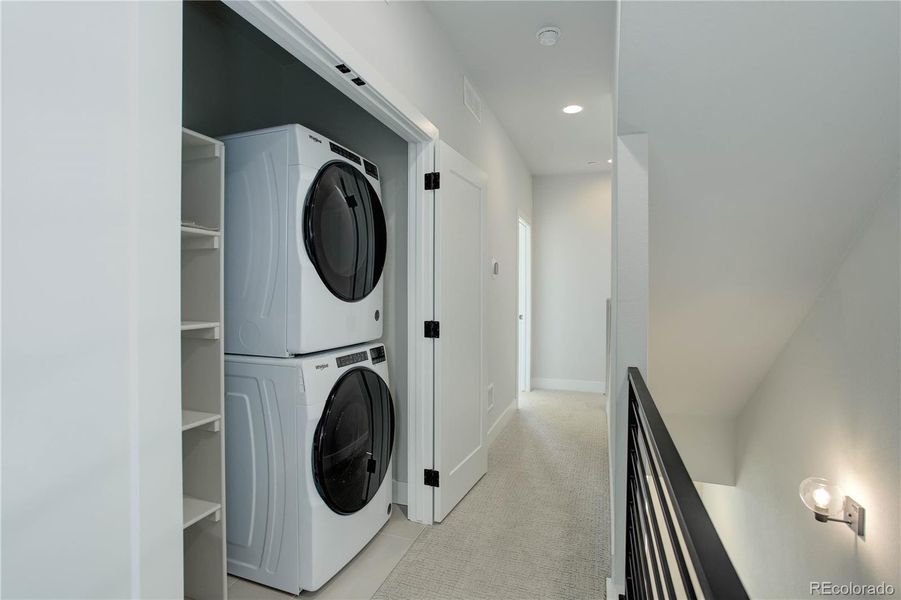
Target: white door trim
{"points": [[524, 371], [302, 31], [420, 308]]}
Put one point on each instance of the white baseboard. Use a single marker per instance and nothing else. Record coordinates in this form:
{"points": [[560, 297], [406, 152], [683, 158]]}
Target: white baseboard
{"points": [[501, 421], [399, 492], [570, 385]]}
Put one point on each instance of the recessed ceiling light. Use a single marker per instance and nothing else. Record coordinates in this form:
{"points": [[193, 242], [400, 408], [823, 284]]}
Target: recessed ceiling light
{"points": [[548, 36], [609, 161], [593, 162], [572, 109]]}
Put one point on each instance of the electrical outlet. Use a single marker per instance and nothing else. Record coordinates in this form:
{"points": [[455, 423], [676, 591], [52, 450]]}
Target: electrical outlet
{"points": [[489, 397]]}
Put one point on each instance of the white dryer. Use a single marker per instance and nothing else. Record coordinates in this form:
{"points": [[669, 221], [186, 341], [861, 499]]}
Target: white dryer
{"points": [[308, 459], [306, 244]]}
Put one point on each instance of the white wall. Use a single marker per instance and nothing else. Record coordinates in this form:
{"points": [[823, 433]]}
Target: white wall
{"points": [[415, 56], [706, 444], [629, 348], [91, 415], [570, 281], [829, 407]]}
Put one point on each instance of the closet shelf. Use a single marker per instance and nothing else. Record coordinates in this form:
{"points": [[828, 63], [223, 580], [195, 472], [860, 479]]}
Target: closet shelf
{"points": [[193, 419], [196, 509], [204, 330], [196, 146], [197, 238]]}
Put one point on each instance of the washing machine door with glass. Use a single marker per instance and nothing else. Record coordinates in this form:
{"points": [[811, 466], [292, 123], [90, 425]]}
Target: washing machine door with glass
{"points": [[344, 231], [353, 442]]}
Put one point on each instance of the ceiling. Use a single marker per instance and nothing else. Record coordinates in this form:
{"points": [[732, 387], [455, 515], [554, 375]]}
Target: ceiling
{"points": [[773, 134], [527, 85]]}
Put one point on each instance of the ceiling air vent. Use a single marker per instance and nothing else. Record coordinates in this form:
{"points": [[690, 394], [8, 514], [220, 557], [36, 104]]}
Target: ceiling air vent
{"points": [[471, 100]]}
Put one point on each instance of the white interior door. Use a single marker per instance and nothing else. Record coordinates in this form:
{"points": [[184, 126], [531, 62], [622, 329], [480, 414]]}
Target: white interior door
{"points": [[461, 454], [525, 309]]}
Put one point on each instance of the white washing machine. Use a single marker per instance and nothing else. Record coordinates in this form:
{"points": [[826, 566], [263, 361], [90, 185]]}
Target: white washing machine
{"points": [[306, 244], [308, 459]]}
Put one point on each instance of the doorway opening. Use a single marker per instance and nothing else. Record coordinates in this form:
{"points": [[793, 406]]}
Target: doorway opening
{"points": [[524, 336]]}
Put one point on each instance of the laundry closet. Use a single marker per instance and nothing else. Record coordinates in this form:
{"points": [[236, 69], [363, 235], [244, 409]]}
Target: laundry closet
{"points": [[237, 80]]}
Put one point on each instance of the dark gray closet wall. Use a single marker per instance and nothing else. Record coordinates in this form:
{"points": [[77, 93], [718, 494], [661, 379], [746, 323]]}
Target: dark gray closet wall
{"points": [[237, 79]]}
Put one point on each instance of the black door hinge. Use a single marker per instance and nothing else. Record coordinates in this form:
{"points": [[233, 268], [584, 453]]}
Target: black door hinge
{"points": [[431, 477], [432, 329], [432, 181]]}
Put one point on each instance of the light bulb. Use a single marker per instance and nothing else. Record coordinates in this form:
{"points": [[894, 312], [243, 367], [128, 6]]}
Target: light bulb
{"points": [[572, 109], [821, 498], [828, 502]]}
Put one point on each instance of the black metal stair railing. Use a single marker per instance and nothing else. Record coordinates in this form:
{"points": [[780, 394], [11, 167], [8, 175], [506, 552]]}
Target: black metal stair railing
{"points": [[672, 547]]}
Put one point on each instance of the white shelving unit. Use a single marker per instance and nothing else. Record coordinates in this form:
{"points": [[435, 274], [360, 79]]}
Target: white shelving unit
{"points": [[203, 443]]}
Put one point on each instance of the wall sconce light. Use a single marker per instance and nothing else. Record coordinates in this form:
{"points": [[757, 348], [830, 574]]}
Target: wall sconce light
{"points": [[829, 503]]}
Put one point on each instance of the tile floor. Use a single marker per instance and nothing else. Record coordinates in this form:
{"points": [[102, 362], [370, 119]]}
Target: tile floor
{"points": [[361, 578]]}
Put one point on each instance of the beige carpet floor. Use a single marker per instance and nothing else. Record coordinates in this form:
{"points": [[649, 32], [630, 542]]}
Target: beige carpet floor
{"points": [[536, 526]]}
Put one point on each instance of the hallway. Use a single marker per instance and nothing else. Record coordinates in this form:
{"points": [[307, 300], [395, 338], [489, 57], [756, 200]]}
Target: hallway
{"points": [[536, 525]]}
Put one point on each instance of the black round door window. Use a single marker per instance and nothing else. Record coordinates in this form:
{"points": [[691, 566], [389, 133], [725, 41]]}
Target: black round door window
{"points": [[344, 231], [353, 441]]}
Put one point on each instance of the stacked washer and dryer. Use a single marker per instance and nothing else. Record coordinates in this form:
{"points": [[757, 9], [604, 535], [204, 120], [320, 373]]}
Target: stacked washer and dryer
{"points": [[309, 418]]}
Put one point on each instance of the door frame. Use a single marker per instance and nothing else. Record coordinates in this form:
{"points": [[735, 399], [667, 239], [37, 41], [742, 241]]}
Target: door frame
{"points": [[524, 371], [303, 32]]}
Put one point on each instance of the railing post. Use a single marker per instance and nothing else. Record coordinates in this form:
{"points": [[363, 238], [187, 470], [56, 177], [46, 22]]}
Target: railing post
{"points": [[631, 551]]}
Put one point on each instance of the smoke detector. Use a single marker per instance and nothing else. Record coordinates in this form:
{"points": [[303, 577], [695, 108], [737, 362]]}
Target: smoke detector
{"points": [[548, 36]]}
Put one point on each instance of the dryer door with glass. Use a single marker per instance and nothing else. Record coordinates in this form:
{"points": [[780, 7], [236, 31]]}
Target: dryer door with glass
{"points": [[353, 441], [344, 231]]}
